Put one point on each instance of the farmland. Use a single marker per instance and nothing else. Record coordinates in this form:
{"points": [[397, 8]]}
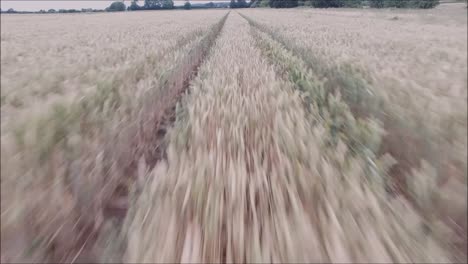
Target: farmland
{"points": [[253, 135]]}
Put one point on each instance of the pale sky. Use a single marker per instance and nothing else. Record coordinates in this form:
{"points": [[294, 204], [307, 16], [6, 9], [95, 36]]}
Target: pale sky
{"points": [[36, 5]]}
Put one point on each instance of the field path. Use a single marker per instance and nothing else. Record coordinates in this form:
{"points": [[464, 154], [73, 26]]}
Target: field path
{"points": [[222, 194]]}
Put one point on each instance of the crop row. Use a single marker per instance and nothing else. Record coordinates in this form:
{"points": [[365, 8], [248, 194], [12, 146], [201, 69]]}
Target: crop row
{"points": [[269, 167], [406, 138]]}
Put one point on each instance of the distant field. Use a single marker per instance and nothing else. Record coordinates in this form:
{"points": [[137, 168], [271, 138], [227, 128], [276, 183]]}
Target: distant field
{"points": [[253, 135]]}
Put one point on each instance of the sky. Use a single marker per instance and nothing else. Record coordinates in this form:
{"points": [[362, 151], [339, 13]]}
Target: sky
{"points": [[36, 5]]}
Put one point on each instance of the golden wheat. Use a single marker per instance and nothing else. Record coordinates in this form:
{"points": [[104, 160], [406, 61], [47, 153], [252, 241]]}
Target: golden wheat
{"points": [[277, 152], [249, 178], [77, 136], [409, 74]]}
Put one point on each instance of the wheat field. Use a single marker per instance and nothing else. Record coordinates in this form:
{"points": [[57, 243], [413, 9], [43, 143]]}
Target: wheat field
{"points": [[253, 135]]}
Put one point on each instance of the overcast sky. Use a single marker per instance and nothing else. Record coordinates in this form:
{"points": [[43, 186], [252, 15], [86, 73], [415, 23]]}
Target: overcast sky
{"points": [[36, 5]]}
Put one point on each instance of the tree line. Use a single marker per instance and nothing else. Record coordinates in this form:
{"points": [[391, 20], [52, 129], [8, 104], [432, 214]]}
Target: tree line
{"points": [[119, 6], [51, 11], [349, 3], [239, 4], [169, 4]]}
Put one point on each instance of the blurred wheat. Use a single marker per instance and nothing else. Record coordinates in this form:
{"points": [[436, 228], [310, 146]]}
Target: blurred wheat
{"points": [[412, 77], [306, 136], [250, 177], [65, 150]]}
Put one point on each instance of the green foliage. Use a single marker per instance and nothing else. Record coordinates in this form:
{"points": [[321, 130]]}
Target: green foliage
{"points": [[404, 3], [327, 3], [353, 3], [372, 3], [69, 11], [424, 3], [3, 100], [398, 3], [52, 130], [361, 136], [187, 5], [377, 3], [335, 3], [116, 7], [167, 4], [283, 3], [264, 3], [134, 6], [238, 4], [159, 4]]}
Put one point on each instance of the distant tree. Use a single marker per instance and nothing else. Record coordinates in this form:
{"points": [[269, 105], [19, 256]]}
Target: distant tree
{"points": [[134, 6], [264, 3], [11, 10], [404, 3], [233, 4], [398, 3], [423, 3], [187, 5], [238, 4], [352, 3], [242, 3], [168, 4], [116, 7], [377, 3], [159, 4], [51, 11], [210, 5], [283, 3], [328, 3]]}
